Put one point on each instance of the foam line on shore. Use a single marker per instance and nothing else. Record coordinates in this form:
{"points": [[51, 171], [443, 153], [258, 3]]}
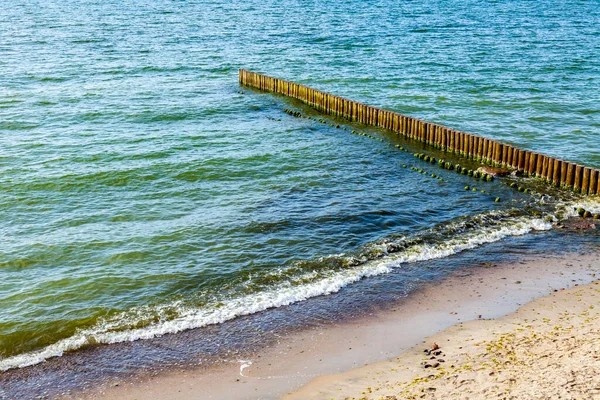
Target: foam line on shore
{"points": [[117, 329]]}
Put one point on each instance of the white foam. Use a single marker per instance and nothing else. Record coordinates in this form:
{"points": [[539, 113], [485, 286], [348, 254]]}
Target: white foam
{"points": [[115, 331], [590, 204]]}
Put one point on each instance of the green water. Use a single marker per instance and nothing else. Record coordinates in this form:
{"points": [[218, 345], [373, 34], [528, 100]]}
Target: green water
{"points": [[141, 193]]}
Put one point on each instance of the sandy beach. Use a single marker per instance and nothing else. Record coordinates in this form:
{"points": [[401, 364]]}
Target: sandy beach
{"points": [[513, 330], [548, 349]]}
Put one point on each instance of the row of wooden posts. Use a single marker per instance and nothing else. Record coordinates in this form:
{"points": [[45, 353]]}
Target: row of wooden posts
{"points": [[559, 172]]}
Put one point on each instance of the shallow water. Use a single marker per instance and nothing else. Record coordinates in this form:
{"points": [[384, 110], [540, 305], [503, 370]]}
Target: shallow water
{"points": [[143, 192]]}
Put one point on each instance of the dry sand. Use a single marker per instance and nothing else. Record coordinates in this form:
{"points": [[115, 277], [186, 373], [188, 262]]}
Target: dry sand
{"points": [[477, 294]]}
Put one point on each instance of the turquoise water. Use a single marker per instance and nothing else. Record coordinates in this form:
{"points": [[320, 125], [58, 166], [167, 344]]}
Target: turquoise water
{"points": [[143, 192]]}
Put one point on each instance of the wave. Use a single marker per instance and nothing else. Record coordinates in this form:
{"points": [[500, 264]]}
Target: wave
{"points": [[294, 284]]}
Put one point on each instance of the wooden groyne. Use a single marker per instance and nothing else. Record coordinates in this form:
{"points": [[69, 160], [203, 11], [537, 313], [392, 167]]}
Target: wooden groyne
{"points": [[559, 172]]}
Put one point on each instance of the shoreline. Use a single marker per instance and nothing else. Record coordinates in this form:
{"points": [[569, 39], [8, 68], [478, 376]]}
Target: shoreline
{"points": [[548, 348], [316, 353]]}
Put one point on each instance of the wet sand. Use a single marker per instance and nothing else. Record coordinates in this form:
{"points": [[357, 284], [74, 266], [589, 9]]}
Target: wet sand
{"points": [[472, 294]]}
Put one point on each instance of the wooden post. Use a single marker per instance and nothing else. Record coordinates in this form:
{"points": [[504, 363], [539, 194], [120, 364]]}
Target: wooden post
{"points": [[504, 155], [464, 141], [509, 156], [386, 119], [563, 173], [405, 122], [521, 160], [362, 113], [430, 132], [490, 150], [557, 171], [413, 129], [513, 159], [389, 121], [400, 124], [444, 138], [471, 146], [577, 181], [457, 142], [527, 160], [593, 182], [540, 167], [585, 181], [413, 124], [485, 149], [570, 181], [550, 170], [533, 161], [468, 149]]}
